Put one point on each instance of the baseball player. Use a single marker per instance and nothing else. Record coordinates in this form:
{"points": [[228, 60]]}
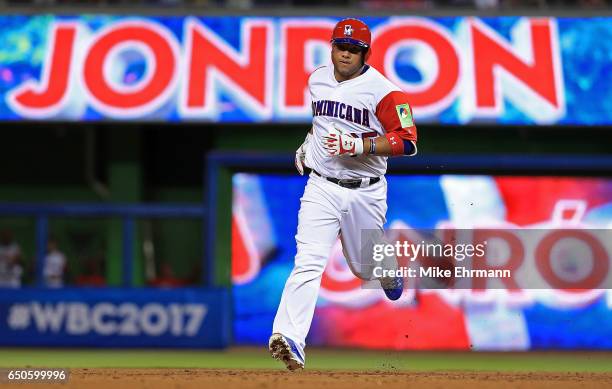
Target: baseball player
{"points": [[360, 119]]}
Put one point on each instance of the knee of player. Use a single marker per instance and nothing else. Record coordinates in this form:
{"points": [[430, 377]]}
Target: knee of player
{"points": [[308, 271]]}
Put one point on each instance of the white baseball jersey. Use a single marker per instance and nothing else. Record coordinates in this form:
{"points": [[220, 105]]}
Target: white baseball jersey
{"points": [[368, 105]]}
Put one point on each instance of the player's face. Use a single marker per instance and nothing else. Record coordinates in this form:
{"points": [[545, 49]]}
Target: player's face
{"points": [[347, 60]]}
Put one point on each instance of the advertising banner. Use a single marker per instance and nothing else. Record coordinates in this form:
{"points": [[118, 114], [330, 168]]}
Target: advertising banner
{"points": [[457, 70], [114, 317], [550, 233]]}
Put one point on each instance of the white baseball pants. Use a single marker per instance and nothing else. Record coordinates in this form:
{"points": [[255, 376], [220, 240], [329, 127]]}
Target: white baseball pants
{"points": [[326, 211]]}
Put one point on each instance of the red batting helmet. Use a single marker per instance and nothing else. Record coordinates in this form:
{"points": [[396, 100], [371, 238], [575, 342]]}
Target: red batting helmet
{"points": [[354, 32]]}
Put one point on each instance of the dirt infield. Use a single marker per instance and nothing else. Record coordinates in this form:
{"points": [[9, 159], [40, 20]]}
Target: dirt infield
{"points": [[261, 379]]}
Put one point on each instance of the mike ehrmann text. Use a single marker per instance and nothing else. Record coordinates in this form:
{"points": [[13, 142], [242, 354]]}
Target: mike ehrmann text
{"points": [[437, 272]]}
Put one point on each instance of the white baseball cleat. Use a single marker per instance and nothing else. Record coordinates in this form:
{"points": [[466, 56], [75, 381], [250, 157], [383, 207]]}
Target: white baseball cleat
{"points": [[284, 349]]}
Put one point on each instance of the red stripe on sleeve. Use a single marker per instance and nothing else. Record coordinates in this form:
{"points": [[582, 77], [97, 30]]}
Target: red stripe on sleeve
{"points": [[388, 115]]}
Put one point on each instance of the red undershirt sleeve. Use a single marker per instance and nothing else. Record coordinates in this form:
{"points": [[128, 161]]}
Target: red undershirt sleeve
{"points": [[395, 114]]}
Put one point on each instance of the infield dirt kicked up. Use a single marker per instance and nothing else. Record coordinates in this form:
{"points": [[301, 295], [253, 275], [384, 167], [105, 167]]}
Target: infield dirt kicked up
{"points": [[261, 379]]}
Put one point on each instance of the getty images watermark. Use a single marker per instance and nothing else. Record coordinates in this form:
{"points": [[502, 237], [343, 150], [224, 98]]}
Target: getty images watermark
{"points": [[488, 258], [413, 251]]}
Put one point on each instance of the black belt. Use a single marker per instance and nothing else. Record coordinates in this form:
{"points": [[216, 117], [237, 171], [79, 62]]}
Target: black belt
{"points": [[350, 183]]}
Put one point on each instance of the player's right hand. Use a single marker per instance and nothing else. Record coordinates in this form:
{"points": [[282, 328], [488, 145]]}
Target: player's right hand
{"points": [[337, 142], [300, 155]]}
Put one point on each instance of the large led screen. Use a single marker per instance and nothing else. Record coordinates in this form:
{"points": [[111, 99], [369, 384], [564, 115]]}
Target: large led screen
{"points": [[506, 70], [264, 223]]}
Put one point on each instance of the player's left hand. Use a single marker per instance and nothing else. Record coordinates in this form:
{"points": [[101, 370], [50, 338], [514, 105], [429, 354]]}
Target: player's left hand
{"points": [[337, 142], [300, 155]]}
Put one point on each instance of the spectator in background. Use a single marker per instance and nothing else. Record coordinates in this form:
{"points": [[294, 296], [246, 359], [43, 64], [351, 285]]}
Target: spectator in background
{"points": [[54, 265], [11, 270]]}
